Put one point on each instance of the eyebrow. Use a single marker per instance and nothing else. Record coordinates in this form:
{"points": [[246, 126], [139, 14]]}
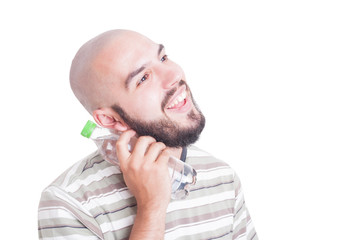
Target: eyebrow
{"points": [[161, 47], [137, 71], [132, 75]]}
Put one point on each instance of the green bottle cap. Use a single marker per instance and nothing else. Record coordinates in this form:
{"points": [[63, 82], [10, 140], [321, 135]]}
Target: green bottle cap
{"points": [[88, 129]]}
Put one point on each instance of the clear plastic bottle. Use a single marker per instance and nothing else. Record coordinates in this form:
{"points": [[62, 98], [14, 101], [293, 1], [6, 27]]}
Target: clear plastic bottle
{"points": [[182, 175]]}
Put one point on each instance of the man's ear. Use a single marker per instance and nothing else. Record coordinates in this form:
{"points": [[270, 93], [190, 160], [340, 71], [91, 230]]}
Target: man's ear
{"points": [[107, 118]]}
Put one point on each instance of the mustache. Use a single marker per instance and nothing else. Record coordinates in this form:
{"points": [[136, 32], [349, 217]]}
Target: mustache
{"points": [[170, 93]]}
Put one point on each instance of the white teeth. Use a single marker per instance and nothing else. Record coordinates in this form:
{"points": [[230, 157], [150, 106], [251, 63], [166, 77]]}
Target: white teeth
{"points": [[179, 99]]}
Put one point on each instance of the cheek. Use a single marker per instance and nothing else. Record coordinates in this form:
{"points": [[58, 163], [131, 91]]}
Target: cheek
{"points": [[147, 106]]}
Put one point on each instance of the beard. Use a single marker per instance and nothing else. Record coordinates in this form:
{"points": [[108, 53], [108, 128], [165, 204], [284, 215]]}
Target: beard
{"points": [[166, 130]]}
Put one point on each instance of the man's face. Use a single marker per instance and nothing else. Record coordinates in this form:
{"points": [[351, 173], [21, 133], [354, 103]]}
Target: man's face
{"points": [[150, 92]]}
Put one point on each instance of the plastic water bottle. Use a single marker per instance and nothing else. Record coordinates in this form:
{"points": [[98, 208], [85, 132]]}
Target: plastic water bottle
{"points": [[182, 174]]}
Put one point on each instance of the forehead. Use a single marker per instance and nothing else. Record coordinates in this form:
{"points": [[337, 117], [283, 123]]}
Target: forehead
{"points": [[122, 54]]}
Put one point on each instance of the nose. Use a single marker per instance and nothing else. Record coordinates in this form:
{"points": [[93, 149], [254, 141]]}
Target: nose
{"points": [[170, 75]]}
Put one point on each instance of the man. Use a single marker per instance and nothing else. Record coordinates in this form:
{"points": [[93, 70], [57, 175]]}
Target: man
{"points": [[126, 82]]}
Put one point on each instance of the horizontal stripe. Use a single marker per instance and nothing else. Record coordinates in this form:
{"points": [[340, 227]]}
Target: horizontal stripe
{"points": [[86, 196], [119, 224], [194, 152], [70, 174], [71, 237], [199, 218], [106, 199], [190, 203], [58, 212], [44, 227], [92, 178], [207, 165], [66, 198], [187, 230], [239, 200], [246, 231], [115, 210], [241, 236], [79, 212], [204, 175], [242, 218], [211, 185]]}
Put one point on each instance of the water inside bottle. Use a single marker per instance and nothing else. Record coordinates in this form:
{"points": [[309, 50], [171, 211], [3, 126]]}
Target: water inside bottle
{"points": [[182, 175]]}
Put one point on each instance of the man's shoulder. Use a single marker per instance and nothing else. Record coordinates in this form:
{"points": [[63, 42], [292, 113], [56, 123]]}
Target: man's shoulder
{"points": [[197, 156], [90, 169]]}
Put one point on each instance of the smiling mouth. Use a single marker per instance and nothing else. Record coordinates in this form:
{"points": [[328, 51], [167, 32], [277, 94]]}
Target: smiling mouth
{"points": [[179, 101]]}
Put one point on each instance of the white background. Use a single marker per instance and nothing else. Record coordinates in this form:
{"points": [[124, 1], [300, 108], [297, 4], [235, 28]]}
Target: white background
{"points": [[279, 83]]}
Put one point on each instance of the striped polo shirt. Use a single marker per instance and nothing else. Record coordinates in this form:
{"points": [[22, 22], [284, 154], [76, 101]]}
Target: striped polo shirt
{"points": [[91, 201]]}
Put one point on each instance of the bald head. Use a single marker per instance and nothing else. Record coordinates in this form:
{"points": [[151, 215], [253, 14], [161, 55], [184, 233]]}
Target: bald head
{"points": [[93, 68]]}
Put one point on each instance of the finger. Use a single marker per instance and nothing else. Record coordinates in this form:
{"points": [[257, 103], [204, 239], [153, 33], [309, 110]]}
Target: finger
{"points": [[142, 145], [155, 150], [122, 146], [163, 157]]}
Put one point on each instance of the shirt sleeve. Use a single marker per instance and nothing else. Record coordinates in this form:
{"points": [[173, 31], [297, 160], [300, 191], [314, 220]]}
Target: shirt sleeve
{"points": [[60, 218], [243, 228]]}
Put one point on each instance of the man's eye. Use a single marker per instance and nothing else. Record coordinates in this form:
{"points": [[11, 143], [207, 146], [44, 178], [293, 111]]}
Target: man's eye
{"points": [[164, 58], [145, 77]]}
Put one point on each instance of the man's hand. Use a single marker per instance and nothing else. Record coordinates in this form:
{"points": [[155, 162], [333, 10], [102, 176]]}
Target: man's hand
{"points": [[145, 172]]}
